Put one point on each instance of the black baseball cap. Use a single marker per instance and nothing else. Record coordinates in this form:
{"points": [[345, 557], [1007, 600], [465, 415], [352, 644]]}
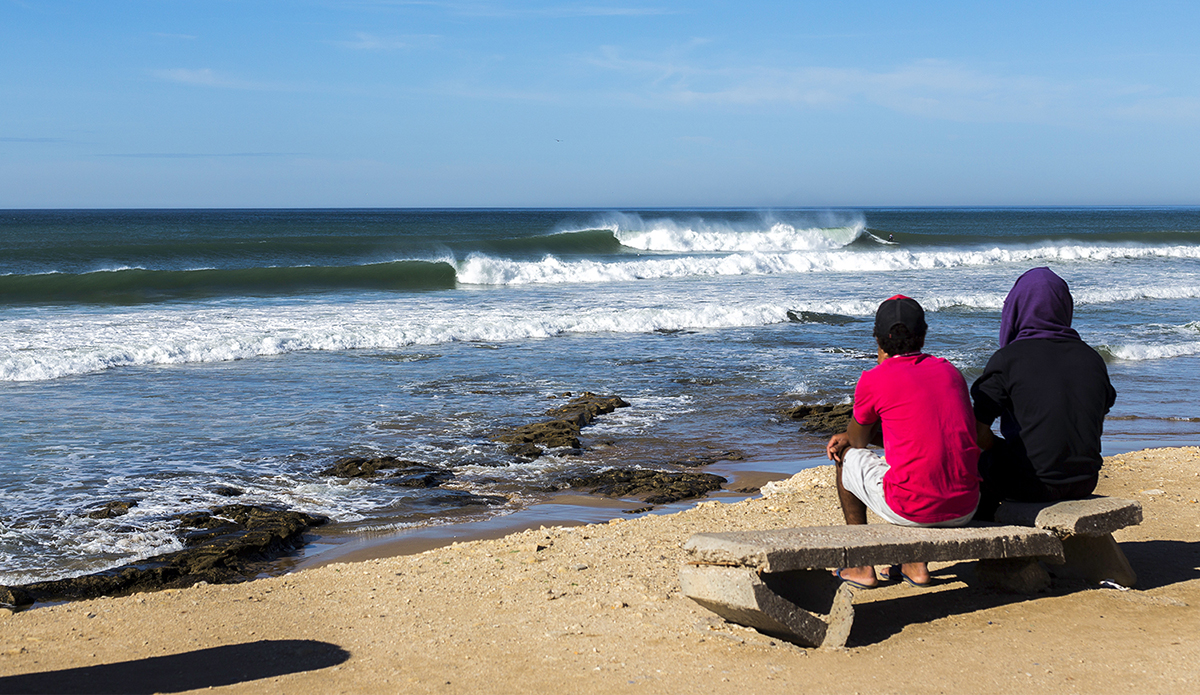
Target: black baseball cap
{"points": [[902, 310]]}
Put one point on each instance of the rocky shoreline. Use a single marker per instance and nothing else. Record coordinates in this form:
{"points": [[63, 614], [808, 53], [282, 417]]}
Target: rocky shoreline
{"points": [[225, 545], [236, 542]]}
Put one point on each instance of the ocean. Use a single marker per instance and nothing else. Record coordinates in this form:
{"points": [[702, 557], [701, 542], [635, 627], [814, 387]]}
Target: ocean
{"points": [[167, 356]]}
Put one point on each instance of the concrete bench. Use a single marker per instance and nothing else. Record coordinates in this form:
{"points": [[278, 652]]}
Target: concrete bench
{"points": [[778, 581]]}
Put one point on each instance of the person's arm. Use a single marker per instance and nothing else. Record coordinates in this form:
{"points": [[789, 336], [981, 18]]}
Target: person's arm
{"points": [[983, 435], [988, 394], [856, 436]]}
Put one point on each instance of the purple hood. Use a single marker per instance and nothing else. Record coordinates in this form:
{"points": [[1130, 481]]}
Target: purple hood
{"points": [[1038, 306]]}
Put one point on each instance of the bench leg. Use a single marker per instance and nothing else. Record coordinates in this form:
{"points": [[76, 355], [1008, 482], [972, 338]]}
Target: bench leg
{"points": [[808, 607], [1095, 558]]}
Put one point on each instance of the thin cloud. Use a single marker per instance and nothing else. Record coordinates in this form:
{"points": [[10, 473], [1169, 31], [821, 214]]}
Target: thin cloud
{"points": [[928, 88], [206, 77], [199, 155], [593, 11], [364, 41], [484, 9], [33, 140]]}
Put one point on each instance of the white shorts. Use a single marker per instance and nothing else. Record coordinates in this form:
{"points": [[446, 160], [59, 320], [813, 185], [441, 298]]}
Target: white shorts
{"points": [[862, 475]]}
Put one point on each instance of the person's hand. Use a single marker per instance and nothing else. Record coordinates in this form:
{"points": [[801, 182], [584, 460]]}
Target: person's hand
{"points": [[838, 443]]}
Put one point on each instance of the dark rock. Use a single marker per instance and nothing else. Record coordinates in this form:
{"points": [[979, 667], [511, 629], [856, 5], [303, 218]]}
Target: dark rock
{"points": [[227, 491], [11, 597], [584, 409], [562, 432], [653, 487], [529, 451], [705, 459], [822, 419], [362, 467], [422, 478], [228, 544], [639, 510], [818, 317], [112, 509], [462, 498], [553, 434]]}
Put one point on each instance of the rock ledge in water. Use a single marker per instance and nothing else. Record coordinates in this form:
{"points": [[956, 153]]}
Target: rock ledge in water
{"points": [[653, 487], [822, 419], [226, 544], [528, 441], [411, 473]]}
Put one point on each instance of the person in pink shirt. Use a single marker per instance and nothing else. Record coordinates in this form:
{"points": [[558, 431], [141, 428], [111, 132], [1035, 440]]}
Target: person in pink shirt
{"points": [[917, 405]]}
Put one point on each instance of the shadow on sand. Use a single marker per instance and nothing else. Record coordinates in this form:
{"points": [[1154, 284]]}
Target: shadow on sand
{"points": [[1157, 563], [203, 668]]}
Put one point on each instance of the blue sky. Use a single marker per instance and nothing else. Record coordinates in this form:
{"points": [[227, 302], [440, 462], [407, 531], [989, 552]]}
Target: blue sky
{"points": [[623, 103]]}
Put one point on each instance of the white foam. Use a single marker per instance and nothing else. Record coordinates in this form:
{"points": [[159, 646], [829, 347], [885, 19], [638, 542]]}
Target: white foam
{"points": [[480, 269], [48, 347], [699, 235], [1139, 353], [669, 236], [1127, 294], [48, 344]]}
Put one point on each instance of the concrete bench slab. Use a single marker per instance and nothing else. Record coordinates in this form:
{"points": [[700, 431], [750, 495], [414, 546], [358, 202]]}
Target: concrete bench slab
{"points": [[1085, 526], [1093, 516], [783, 550]]}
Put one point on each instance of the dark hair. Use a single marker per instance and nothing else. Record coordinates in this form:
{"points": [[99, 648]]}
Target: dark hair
{"points": [[900, 340]]}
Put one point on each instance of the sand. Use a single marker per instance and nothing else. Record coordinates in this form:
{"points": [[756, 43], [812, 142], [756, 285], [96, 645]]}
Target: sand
{"points": [[597, 609]]}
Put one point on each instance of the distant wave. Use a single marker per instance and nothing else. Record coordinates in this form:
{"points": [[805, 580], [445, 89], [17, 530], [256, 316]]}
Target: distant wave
{"points": [[780, 237], [1141, 352], [139, 285], [480, 269], [136, 285], [762, 233], [972, 239], [580, 242]]}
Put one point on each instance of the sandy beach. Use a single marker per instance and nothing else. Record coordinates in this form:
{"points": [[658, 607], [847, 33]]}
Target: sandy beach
{"points": [[597, 608]]}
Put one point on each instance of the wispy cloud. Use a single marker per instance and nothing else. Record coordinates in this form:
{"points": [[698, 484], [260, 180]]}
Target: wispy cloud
{"points": [[33, 140], [206, 77], [494, 9], [927, 88], [364, 41], [487, 10], [199, 155]]}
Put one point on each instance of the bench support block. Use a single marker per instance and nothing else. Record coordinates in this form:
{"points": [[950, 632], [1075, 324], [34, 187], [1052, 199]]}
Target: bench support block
{"points": [[808, 607], [1094, 559]]}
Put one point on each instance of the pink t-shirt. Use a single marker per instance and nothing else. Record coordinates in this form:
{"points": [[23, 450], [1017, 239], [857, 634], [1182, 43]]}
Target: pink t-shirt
{"points": [[928, 436]]}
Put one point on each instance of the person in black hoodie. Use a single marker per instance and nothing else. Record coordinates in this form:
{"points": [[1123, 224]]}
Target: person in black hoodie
{"points": [[1051, 392]]}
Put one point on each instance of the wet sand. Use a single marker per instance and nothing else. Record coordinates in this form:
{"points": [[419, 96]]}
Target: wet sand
{"points": [[597, 609]]}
